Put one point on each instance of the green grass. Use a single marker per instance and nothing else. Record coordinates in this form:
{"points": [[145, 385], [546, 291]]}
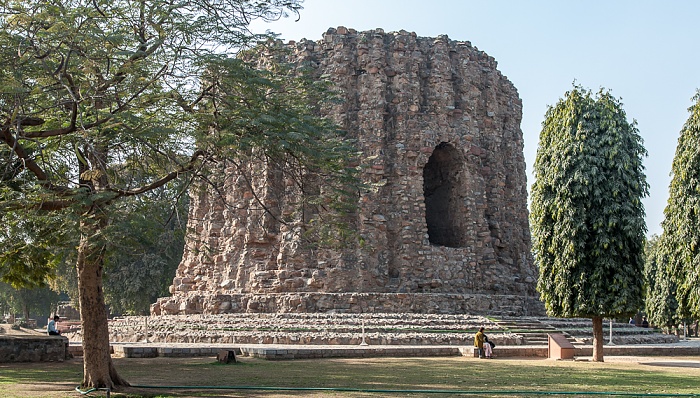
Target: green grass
{"points": [[452, 373], [12, 373]]}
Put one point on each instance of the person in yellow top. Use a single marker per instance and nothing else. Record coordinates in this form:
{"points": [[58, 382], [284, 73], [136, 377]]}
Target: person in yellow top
{"points": [[479, 341]]}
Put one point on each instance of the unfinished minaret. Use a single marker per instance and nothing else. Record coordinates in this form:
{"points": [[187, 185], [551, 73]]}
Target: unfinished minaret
{"points": [[447, 230]]}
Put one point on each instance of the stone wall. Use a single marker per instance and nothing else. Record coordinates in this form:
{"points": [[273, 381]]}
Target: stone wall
{"points": [[33, 348], [424, 303], [446, 230]]}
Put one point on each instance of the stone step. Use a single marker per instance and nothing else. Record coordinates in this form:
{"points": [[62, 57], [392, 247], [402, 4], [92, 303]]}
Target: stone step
{"points": [[521, 324], [340, 329], [533, 338]]}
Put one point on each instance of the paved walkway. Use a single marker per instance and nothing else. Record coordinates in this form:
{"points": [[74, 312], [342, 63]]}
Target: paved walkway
{"points": [[690, 347]]}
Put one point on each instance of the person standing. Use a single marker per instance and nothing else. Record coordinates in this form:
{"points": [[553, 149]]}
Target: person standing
{"points": [[51, 327], [479, 341]]}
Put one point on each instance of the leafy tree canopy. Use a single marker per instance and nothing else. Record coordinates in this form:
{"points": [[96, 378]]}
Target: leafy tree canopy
{"points": [[104, 100], [147, 247], [681, 225], [39, 301], [587, 216], [660, 287]]}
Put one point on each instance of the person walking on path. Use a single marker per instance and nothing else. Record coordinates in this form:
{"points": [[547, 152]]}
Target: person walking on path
{"points": [[479, 341]]}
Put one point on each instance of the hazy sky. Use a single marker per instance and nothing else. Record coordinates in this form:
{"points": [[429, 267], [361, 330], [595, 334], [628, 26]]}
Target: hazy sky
{"points": [[645, 52]]}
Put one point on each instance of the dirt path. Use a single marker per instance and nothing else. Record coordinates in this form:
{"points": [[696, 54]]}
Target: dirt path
{"points": [[6, 330]]}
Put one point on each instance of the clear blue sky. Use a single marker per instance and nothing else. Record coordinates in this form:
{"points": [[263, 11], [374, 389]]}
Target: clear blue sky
{"points": [[646, 52]]}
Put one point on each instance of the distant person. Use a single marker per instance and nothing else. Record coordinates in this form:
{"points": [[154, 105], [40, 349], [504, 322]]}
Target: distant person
{"points": [[51, 327], [632, 322], [479, 341], [645, 323], [488, 347]]}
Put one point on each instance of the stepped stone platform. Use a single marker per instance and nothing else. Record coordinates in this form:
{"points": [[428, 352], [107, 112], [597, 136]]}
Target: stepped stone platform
{"points": [[374, 329], [324, 335]]}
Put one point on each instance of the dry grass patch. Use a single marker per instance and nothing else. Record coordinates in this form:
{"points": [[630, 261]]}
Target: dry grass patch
{"points": [[482, 377]]}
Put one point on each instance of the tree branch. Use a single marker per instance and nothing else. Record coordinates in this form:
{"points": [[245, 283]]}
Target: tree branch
{"points": [[121, 74], [189, 166], [190, 107], [249, 183], [29, 163], [46, 205]]}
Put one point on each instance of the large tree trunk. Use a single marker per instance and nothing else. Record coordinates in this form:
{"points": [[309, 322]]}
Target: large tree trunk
{"points": [[99, 372], [597, 339]]}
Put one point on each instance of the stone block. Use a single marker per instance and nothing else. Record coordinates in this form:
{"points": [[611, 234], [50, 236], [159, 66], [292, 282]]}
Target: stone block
{"points": [[226, 356]]}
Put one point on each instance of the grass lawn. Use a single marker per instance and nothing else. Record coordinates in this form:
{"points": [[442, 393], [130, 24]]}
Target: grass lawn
{"points": [[643, 376]]}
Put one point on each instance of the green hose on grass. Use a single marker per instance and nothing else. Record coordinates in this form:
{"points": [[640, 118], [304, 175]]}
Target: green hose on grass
{"points": [[92, 390], [397, 391]]}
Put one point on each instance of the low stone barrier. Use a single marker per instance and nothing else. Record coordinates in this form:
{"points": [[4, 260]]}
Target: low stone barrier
{"points": [[511, 352], [129, 351], [279, 353], [284, 352], [33, 348]]}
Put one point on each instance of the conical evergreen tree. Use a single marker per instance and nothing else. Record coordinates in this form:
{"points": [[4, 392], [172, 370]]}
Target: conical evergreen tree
{"points": [[681, 226], [587, 215]]}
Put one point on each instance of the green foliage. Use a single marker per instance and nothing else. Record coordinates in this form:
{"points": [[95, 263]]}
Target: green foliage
{"points": [[110, 109], [277, 127], [146, 244], [587, 217], [102, 101], [41, 301], [32, 244], [660, 288], [681, 225], [106, 100]]}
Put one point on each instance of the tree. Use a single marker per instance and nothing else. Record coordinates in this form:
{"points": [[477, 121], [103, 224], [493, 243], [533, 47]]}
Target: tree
{"points": [[147, 240], [31, 251], [660, 301], [104, 100], [587, 216], [29, 245], [680, 241], [38, 301], [148, 245]]}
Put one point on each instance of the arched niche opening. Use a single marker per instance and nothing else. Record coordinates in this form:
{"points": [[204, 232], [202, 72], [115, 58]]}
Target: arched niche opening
{"points": [[441, 191]]}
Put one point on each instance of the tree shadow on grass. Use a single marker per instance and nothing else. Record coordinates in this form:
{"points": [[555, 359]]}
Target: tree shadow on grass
{"points": [[673, 364]]}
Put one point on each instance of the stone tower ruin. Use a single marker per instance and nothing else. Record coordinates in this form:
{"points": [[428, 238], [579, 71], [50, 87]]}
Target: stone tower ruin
{"points": [[439, 128]]}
